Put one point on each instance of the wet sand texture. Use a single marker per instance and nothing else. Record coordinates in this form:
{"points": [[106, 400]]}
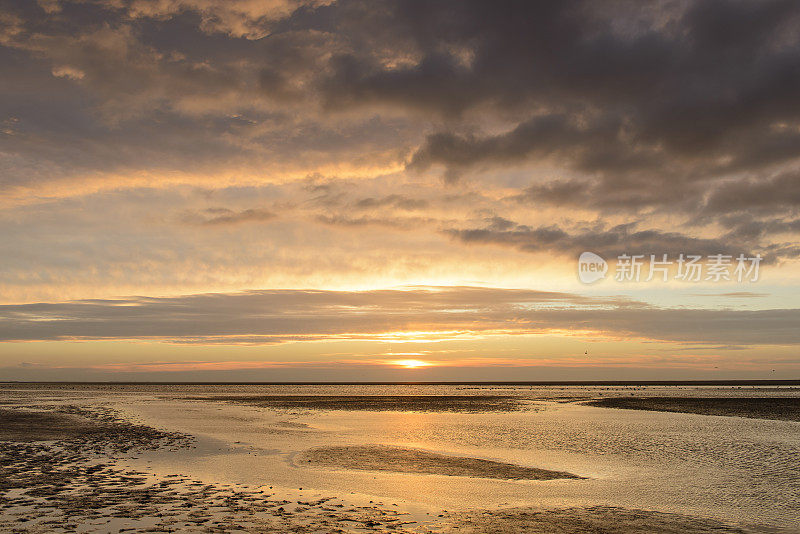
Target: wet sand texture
{"points": [[65, 479], [780, 408], [96, 430], [592, 520], [421, 403], [18, 425], [400, 460], [49, 490], [58, 474]]}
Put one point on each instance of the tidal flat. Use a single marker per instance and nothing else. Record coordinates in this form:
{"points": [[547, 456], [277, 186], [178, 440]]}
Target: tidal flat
{"points": [[400, 403], [778, 408], [408, 459]]}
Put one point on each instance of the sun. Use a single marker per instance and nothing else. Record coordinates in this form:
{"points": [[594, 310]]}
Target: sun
{"points": [[411, 364]]}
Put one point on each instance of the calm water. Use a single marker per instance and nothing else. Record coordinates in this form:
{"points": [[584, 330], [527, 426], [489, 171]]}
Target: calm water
{"points": [[731, 468]]}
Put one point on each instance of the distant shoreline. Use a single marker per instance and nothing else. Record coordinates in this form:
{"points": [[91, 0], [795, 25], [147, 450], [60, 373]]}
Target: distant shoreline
{"points": [[795, 382]]}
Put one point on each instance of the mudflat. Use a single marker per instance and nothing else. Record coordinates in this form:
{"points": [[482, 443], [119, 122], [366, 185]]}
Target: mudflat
{"points": [[778, 408], [27, 425], [422, 403], [403, 460], [97, 466], [588, 520]]}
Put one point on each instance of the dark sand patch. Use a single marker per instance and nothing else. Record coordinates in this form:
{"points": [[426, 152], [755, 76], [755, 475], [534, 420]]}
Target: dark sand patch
{"points": [[291, 424], [26, 425], [417, 403], [779, 408], [590, 520], [70, 426], [400, 460]]}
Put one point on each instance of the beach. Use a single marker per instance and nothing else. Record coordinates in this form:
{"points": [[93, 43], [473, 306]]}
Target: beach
{"points": [[392, 458], [424, 267]]}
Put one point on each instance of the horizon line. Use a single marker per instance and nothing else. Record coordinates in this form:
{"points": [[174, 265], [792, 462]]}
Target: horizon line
{"points": [[788, 382]]}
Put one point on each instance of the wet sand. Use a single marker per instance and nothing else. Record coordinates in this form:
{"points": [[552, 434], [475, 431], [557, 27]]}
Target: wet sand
{"points": [[422, 403], [400, 460], [63, 469], [60, 474], [777, 408], [25, 425], [590, 520]]}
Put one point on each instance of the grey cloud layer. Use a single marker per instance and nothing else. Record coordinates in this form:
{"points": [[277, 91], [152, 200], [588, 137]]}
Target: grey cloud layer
{"points": [[633, 108], [609, 242], [704, 87], [279, 316]]}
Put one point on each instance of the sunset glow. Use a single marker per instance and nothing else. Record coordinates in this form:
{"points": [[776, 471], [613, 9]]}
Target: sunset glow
{"points": [[415, 266], [307, 190], [411, 364]]}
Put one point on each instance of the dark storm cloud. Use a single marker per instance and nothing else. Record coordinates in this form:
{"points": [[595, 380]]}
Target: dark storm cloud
{"points": [[280, 316]]}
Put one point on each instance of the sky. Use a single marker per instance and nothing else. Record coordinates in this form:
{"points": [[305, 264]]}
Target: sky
{"points": [[281, 190]]}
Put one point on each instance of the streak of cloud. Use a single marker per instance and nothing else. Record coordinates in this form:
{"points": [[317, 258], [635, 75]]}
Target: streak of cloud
{"points": [[265, 317]]}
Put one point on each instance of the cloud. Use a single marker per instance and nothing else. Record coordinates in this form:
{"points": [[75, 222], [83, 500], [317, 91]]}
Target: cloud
{"points": [[733, 294], [658, 126], [758, 204], [225, 216], [608, 242], [251, 19], [593, 147], [277, 316], [403, 223], [772, 194], [633, 98], [649, 107], [396, 201], [104, 91]]}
